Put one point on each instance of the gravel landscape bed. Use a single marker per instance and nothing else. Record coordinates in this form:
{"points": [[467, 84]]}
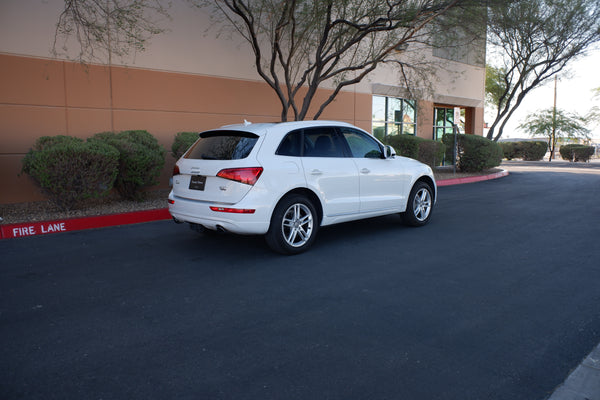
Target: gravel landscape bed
{"points": [[113, 204]]}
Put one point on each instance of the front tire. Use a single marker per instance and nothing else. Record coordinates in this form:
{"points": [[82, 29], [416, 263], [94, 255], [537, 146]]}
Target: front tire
{"points": [[294, 225], [419, 206]]}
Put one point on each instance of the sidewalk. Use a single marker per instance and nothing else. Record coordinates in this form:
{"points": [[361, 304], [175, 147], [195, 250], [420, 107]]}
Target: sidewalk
{"points": [[554, 166], [584, 381]]}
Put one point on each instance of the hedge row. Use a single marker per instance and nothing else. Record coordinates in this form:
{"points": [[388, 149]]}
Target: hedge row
{"points": [[70, 170], [474, 153], [528, 151], [577, 152], [430, 152]]}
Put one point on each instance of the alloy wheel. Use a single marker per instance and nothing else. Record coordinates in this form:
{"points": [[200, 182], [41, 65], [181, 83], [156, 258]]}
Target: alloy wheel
{"points": [[422, 204], [297, 225]]}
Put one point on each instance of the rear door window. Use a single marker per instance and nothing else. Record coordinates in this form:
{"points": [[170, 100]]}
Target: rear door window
{"points": [[313, 142], [222, 145], [323, 142]]}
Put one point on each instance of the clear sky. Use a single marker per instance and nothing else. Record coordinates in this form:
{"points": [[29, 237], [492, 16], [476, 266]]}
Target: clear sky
{"points": [[574, 94]]}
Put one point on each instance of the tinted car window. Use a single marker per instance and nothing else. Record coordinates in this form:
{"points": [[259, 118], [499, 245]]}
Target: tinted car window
{"points": [[362, 145], [222, 145], [312, 142], [323, 142], [291, 145]]}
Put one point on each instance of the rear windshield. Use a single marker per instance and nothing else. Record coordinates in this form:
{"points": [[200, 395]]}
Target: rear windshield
{"points": [[222, 145]]}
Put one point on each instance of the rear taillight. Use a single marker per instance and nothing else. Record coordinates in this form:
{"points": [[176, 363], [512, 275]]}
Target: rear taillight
{"points": [[248, 176], [176, 170], [233, 210]]}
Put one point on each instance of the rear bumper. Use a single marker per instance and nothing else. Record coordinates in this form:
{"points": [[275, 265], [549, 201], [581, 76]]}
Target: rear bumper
{"points": [[199, 212]]}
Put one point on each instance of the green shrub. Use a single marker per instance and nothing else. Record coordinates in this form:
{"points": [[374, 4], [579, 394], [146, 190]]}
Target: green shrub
{"points": [[431, 152], [405, 145], [69, 170], [141, 159], [182, 142], [576, 152], [532, 151], [47, 142], [510, 150], [474, 153], [427, 151]]}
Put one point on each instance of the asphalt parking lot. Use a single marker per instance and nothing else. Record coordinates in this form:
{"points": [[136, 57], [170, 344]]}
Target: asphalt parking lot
{"points": [[497, 298]]}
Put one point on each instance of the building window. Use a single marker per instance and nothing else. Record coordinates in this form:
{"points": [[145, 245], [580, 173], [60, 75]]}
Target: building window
{"points": [[393, 116], [443, 120]]}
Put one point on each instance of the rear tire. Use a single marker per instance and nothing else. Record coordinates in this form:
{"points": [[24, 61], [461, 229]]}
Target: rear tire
{"points": [[294, 225], [419, 206]]}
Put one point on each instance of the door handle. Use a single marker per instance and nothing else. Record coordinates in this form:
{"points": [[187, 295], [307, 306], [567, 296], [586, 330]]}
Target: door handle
{"points": [[365, 171], [316, 172]]}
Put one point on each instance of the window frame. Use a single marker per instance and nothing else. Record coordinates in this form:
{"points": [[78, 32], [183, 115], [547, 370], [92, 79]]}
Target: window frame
{"points": [[387, 111], [206, 138], [336, 136], [448, 123], [364, 135]]}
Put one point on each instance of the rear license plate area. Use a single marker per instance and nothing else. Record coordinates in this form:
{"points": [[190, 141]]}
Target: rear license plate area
{"points": [[197, 182]]}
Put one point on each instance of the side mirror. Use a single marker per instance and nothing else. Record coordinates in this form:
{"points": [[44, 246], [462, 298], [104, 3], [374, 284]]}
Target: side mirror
{"points": [[389, 152]]}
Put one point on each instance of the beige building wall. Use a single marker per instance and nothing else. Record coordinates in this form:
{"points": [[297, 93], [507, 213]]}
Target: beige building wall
{"points": [[445, 83], [187, 80], [42, 97]]}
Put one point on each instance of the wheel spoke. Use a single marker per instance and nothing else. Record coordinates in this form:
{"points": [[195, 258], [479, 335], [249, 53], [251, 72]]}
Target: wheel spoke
{"points": [[291, 238], [303, 234], [296, 212]]}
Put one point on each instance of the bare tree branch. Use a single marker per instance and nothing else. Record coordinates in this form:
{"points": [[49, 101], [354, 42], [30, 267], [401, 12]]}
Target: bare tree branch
{"points": [[536, 40], [304, 45], [103, 28]]}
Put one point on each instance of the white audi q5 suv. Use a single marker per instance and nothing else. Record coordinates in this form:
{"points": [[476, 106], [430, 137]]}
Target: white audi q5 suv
{"points": [[286, 180]]}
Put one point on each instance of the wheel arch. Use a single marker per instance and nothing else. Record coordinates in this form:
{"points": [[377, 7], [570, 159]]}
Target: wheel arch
{"points": [[312, 196], [429, 181]]}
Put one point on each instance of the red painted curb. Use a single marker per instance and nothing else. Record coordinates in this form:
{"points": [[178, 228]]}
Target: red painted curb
{"points": [[471, 179], [76, 224]]}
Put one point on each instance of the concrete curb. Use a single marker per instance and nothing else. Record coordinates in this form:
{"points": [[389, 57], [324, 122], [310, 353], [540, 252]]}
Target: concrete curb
{"points": [[28, 229], [584, 382]]}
